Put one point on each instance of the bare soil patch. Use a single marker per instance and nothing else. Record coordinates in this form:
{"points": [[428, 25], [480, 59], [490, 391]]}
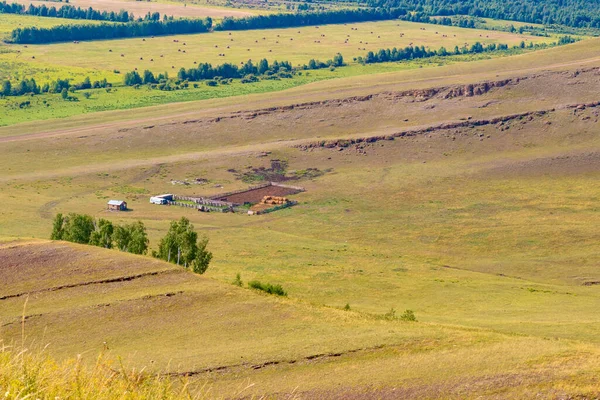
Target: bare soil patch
{"points": [[256, 195]]}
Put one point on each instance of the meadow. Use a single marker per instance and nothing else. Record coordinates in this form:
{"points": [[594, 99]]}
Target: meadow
{"points": [[296, 45]]}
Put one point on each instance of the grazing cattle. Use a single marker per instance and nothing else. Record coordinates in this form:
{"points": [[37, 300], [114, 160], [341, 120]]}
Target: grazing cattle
{"points": [[141, 58], [110, 50], [122, 55]]}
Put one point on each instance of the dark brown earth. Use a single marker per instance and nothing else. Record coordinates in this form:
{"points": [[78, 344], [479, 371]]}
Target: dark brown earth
{"points": [[256, 195]]}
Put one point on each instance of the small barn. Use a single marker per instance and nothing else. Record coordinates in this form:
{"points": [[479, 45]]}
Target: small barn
{"points": [[117, 205]]}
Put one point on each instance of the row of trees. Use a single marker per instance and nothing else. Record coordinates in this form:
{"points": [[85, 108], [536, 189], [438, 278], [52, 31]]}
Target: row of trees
{"points": [[64, 33], [416, 52], [286, 20], [575, 13], [462, 21], [30, 86], [66, 11], [82, 228], [206, 71], [181, 245]]}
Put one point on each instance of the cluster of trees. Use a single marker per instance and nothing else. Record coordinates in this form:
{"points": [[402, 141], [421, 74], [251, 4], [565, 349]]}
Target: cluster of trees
{"points": [[338, 61], [181, 245], [308, 18], [206, 71], [66, 11], [415, 52], [247, 72], [30, 86], [82, 228], [64, 33], [463, 22], [575, 13]]}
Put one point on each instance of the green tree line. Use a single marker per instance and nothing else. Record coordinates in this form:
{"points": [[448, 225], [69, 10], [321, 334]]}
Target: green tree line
{"points": [[416, 52], [247, 72], [574, 13], [65, 33], [30, 86], [181, 245], [286, 20], [66, 11]]}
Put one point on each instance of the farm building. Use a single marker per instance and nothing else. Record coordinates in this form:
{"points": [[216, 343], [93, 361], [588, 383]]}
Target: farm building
{"points": [[117, 205]]}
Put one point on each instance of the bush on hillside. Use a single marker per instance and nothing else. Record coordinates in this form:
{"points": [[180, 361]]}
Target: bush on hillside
{"points": [[268, 288]]}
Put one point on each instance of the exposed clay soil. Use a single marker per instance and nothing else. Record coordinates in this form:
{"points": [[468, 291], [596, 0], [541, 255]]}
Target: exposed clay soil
{"points": [[256, 195]]}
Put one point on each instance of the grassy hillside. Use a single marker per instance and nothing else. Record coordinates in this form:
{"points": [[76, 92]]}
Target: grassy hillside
{"points": [[163, 319]]}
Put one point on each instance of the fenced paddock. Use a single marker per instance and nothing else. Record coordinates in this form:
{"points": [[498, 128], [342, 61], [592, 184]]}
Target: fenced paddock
{"points": [[255, 194], [236, 201]]}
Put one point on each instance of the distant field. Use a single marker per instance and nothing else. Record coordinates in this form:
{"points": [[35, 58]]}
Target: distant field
{"points": [[9, 22], [297, 45], [51, 106], [141, 8]]}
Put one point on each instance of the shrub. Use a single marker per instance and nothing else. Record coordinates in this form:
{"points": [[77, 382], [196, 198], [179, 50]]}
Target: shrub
{"points": [[238, 280], [408, 315], [347, 307], [268, 288]]}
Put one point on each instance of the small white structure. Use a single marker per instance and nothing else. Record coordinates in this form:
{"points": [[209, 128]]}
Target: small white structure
{"points": [[161, 199]]}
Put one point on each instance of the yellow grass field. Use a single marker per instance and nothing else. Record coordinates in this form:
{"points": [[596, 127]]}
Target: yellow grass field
{"points": [[297, 45]]}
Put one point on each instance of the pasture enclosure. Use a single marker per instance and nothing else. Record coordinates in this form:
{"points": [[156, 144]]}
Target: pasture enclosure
{"points": [[255, 194]]}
